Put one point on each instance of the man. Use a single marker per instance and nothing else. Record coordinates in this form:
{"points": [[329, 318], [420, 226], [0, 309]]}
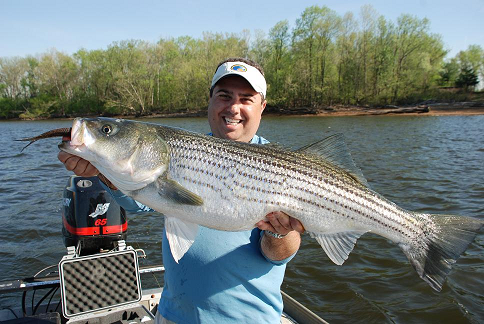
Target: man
{"points": [[225, 277]]}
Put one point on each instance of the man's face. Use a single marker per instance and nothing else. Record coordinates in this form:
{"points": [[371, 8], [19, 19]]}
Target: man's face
{"points": [[235, 109]]}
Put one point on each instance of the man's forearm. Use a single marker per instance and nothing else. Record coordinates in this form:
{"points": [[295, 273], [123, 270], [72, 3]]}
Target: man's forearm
{"points": [[280, 249]]}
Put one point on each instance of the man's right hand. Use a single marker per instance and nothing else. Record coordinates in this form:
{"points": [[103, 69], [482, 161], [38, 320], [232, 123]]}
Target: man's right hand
{"points": [[82, 167], [77, 165]]}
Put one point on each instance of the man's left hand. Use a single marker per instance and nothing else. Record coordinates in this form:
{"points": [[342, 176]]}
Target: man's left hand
{"points": [[281, 223]]}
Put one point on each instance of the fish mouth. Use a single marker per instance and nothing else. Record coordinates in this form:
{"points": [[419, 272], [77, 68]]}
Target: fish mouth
{"points": [[66, 138], [73, 142], [77, 133]]}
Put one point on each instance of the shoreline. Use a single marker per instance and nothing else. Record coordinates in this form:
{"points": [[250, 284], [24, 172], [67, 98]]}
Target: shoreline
{"points": [[456, 109], [437, 110]]}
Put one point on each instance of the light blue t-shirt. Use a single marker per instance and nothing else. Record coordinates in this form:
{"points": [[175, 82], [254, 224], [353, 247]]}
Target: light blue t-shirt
{"points": [[223, 278]]}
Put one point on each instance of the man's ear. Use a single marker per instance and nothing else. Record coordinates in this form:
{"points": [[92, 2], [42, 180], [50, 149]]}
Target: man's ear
{"points": [[263, 106]]}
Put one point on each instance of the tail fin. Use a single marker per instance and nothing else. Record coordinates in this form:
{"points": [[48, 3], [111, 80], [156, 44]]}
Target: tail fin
{"points": [[446, 238]]}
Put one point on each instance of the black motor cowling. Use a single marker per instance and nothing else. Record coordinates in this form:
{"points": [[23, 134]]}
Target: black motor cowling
{"points": [[91, 216]]}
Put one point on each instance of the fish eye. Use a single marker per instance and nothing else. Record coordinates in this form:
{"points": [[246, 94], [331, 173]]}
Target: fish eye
{"points": [[106, 129]]}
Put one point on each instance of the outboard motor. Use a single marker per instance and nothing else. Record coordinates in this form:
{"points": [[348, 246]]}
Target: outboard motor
{"points": [[92, 220]]}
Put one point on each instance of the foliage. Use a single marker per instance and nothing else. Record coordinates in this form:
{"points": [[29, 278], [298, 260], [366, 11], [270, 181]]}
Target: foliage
{"points": [[449, 73], [324, 59], [467, 78]]}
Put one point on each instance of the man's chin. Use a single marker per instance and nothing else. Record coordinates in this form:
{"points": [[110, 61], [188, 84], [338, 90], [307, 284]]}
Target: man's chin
{"points": [[233, 135], [230, 130]]}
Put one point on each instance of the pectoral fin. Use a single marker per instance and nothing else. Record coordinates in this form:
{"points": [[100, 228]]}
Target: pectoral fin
{"points": [[337, 245], [180, 235], [176, 192]]}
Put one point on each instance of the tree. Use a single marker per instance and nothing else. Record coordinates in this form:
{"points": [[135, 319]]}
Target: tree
{"points": [[472, 58], [366, 41], [382, 61], [346, 64], [278, 62], [449, 73], [57, 75], [12, 72], [467, 78], [312, 39]]}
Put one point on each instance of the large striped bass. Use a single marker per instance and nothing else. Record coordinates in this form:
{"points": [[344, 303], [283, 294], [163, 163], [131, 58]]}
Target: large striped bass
{"points": [[194, 179]]}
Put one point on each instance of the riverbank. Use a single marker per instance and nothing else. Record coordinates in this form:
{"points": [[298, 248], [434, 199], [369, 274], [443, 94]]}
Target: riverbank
{"points": [[433, 109]]}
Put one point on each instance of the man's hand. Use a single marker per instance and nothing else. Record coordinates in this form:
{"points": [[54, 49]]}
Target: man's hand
{"points": [[82, 167], [281, 223], [77, 165]]}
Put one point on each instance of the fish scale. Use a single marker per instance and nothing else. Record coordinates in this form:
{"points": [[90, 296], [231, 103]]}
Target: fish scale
{"points": [[194, 179]]}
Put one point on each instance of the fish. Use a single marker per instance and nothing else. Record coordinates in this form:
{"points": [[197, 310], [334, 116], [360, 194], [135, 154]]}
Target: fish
{"points": [[195, 179]]}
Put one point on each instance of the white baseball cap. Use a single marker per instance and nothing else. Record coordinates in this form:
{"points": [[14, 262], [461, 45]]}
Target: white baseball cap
{"points": [[248, 72]]}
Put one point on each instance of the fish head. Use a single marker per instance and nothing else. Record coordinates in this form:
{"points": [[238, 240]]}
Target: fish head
{"points": [[130, 154]]}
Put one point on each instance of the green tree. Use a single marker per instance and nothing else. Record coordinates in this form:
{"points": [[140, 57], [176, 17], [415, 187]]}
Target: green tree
{"points": [[365, 42], [472, 58], [131, 68], [278, 64], [382, 61], [467, 78], [449, 73], [57, 75], [15, 89], [312, 42], [347, 71], [12, 72]]}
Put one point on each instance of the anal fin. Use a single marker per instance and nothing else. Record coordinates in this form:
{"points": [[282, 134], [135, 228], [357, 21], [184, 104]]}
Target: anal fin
{"points": [[180, 235], [338, 245]]}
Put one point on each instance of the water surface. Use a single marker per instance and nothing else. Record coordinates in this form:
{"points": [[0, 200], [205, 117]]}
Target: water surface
{"points": [[431, 164]]}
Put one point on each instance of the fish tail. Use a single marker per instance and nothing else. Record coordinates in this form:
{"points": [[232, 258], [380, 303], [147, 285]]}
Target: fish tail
{"points": [[446, 237]]}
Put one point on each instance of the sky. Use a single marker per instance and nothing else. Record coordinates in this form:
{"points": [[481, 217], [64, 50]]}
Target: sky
{"points": [[32, 27]]}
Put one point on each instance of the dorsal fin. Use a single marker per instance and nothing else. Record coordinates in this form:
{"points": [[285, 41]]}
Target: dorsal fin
{"points": [[333, 149], [277, 146]]}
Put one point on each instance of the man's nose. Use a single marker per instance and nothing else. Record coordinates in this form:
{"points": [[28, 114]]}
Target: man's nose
{"points": [[234, 107]]}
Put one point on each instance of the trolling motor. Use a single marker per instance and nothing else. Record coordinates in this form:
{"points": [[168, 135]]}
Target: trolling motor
{"points": [[92, 220]]}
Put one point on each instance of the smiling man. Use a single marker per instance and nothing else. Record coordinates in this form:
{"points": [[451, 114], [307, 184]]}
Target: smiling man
{"points": [[225, 277], [236, 104]]}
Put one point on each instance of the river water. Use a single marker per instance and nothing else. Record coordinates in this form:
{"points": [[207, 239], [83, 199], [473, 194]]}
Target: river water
{"points": [[432, 164]]}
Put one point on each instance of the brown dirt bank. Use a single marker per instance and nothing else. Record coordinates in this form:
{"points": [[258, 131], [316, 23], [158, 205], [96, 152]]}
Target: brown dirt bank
{"points": [[437, 109], [421, 110]]}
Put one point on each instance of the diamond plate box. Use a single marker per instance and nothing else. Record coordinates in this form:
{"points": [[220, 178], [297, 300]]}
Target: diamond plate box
{"points": [[98, 282]]}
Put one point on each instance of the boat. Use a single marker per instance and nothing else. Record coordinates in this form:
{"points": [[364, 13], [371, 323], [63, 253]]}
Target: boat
{"points": [[99, 279]]}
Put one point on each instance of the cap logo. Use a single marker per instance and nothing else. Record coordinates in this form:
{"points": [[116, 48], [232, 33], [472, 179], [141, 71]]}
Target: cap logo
{"points": [[238, 68]]}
